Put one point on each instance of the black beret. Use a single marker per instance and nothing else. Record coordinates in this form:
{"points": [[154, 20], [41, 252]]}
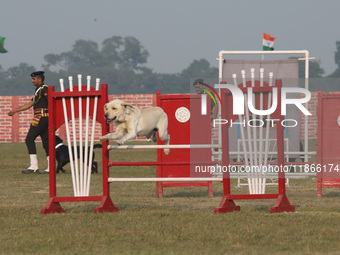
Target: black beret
{"points": [[38, 73], [198, 81]]}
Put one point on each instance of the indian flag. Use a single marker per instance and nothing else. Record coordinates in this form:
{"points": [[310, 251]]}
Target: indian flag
{"points": [[268, 42]]}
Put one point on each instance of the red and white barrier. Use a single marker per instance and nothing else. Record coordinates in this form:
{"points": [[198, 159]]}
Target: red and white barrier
{"points": [[78, 103]]}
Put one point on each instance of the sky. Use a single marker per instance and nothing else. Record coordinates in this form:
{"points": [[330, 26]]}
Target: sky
{"points": [[174, 32]]}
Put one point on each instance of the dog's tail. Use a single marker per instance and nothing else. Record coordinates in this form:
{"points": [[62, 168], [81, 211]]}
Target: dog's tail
{"points": [[97, 146]]}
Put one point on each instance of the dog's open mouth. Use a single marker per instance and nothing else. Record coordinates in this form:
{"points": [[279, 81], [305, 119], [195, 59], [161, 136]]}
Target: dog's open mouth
{"points": [[111, 120]]}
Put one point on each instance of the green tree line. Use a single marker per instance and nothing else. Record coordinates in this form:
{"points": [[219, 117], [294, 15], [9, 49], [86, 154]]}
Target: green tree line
{"points": [[120, 62]]}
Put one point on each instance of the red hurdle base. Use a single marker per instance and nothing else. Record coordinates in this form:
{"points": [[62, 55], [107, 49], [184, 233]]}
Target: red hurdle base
{"points": [[282, 205], [106, 205], [53, 206], [227, 205]]}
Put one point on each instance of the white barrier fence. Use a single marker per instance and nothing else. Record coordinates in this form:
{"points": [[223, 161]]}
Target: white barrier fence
{"points": [[170, 146], [197, 179], [255, 146], [80, 169]]}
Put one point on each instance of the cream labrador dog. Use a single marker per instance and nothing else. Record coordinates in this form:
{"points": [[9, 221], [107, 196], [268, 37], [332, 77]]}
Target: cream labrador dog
{"points": [[131, 122]]}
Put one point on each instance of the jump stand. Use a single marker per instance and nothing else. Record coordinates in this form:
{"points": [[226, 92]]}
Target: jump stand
{"points": [[85, 101], [186, 126], [328, 141], [262, 93]]}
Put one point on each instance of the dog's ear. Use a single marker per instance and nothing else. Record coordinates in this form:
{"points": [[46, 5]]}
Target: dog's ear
{"points": [[128, 108], [126, 104]]}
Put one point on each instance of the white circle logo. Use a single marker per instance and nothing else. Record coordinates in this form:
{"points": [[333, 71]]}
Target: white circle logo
{"points": [[339, 120], [182, 114]]}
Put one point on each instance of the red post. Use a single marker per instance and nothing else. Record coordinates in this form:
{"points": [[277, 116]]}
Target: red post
{"points": [[282, 204], [52, 206], [319, 142], [226, 205], [106, 204]]}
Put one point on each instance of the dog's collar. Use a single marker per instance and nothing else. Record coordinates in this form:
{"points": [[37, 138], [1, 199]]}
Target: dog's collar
{"points": [[58, 145], [128, 107]]}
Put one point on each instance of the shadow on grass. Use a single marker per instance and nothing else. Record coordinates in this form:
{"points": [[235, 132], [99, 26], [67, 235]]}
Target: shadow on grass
{"points": [[189, 194], [332, 194], [79, 207], [135, 206], [259, 208]]}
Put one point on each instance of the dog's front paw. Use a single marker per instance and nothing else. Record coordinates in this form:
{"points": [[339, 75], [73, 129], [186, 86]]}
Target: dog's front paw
{"points": [[120, 142], [102, 138], [166, 151]]}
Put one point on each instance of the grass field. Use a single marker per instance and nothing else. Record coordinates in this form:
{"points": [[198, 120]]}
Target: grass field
{"points": [[182, 222]]}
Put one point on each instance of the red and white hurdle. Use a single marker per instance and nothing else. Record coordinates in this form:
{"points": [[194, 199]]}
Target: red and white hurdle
{"points": [[78, 103], [254, 155]]}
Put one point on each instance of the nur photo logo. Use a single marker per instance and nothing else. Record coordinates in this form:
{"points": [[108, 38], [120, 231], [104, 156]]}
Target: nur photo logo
{"points": [[242, 101]]}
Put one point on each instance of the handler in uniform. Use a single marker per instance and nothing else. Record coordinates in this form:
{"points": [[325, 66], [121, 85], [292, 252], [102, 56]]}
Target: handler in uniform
{"points": [[39, 125]]}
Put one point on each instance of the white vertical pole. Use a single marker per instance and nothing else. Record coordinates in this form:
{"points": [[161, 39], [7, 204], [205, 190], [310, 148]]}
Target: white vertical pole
{"points": [[61, 81], [220, 66], [250, 149], [252, 73], [220, 74], [204, 104], [87, 134], [246, 159], [306, 105], [261, 134], [92, 137], [238, 144], [80, 138], [267, 134], [70, 78]]}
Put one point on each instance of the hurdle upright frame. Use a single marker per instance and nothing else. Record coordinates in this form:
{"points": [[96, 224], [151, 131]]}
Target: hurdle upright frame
{"points": [[227, 204], [306, 58], [328, 160], [56, 119]]}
